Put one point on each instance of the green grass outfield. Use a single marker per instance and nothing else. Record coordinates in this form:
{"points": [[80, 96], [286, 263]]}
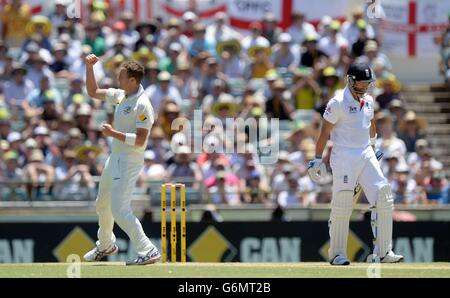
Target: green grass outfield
{"points": [[225, 270]]}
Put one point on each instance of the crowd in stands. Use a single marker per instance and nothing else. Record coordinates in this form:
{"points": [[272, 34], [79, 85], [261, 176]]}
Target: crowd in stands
{"points": [[51, 146]]}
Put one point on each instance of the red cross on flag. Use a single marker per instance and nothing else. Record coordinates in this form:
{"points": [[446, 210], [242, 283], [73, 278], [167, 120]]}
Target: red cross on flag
{"points": [[410, 26]]}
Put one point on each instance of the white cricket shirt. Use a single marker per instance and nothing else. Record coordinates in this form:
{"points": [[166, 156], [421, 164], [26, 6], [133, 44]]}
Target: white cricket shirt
{"points": [[351, 119], [132, 112]]}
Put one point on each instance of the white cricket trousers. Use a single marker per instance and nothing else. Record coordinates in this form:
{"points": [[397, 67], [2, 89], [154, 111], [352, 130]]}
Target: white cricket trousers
{"points": [[114, 203], [352, 165]]}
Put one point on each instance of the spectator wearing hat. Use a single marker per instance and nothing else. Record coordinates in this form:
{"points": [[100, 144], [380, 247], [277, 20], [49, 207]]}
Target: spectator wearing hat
{"points": [[40, 175], [300, 28], [163, 89], [437, 189], [225, 107], [78, 68], [390, 90], [144, 55], [11, 170], [260, 64], [283, 56], [371, 52], [186, 84], [152, 170], [351, 28], [18, 87], [411, 129], [60, 62], [14, 176], [83, 117], [38, 68], [74, 182], [219, 30], [173, 35], [283, 169], [72, 44], [169, 112], [5, 122], [200, 43], [255, 39], [219, 88], [190, 19], [146, 30], [76, 88], [224, 189], [184, 168], [305, 90], [232, 63], [270, 30], [311, 56], [94, 39], [175, 55], [330, 80], [332, 44], [38, 30], [116, 49], [158, 144], [59, 14], [129, 33], [294, 195], [51, 111], [415, 158], [212, 150], [74, 138], [357, 49], [44, 92], [404, 188], [151, 74], [210, 72], [15, 141], [387, 140], [397, 110], [14, 17], [255, 191]]}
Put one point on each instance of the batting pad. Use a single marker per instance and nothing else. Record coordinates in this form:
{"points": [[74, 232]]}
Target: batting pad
{"points": [[385, 208], [341, 210]]}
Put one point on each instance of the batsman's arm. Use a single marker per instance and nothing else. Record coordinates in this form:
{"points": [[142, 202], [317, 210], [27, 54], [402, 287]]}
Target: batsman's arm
{"points": [[91, 82], [323, 137], [373, 133]]}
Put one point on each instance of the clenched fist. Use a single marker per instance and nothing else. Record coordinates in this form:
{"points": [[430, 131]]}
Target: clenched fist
{"points": [[107, 129], [91, 59]]}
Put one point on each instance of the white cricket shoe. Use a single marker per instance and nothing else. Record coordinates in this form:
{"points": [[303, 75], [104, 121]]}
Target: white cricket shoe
{"points": [[390, 257], [150, 258], [95, 255], [340, 260]]}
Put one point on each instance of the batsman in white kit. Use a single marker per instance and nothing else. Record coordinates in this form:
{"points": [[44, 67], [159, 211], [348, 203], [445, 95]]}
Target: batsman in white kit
{"points": [[133, 119], [349, 120]]}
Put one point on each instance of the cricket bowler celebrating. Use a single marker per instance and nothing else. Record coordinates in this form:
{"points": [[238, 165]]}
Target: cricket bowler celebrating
{"points": [[349, 119], [133, 119]]}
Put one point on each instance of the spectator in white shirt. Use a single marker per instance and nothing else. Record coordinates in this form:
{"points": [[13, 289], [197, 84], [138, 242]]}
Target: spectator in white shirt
{"points": [[331, 45], [350, 29], [18, 87], [163, 89], [300, 28], [38, 69]]}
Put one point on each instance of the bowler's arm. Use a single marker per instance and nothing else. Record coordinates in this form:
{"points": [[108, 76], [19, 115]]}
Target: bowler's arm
{"points": [[91, 82], [141, 136], [373, 129]]}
